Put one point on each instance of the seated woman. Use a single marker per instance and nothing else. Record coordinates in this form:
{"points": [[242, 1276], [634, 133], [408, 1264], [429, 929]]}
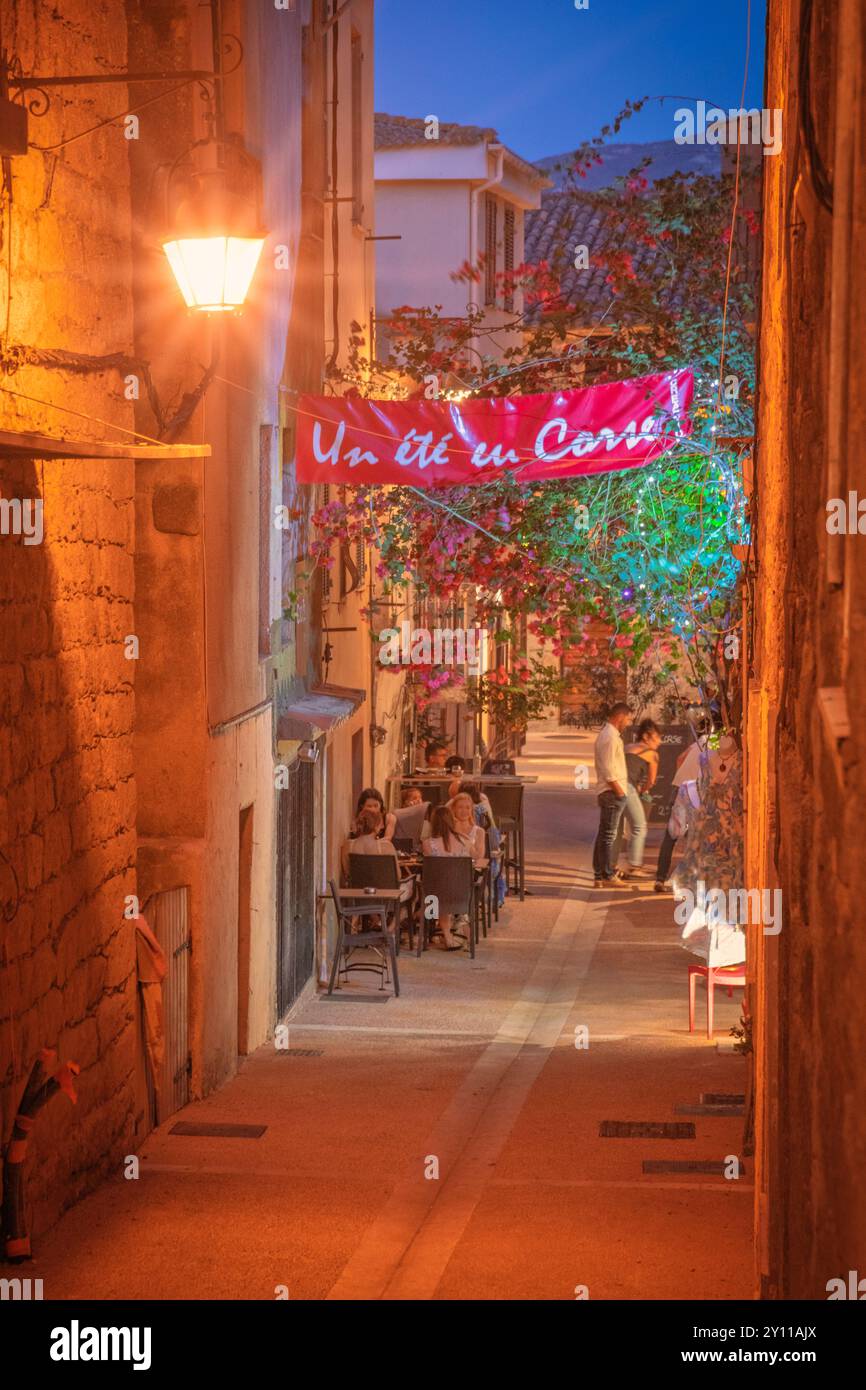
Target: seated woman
{"points": [[484, 817], [480, 800], [367, 839], [466, 827], [411, 797], [372, 800], [445, 840]]}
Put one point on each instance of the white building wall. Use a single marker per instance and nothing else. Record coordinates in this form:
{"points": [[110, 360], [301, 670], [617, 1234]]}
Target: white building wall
{"points": [[432, 220]]}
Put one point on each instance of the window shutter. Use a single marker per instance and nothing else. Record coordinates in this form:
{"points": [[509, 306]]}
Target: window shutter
{"points": [[508, 252], [490, 250]]}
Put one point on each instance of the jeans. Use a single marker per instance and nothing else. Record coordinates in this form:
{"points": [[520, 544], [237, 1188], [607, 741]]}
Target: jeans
{"points": [[635, 814], [610, 808], [666, 851]]}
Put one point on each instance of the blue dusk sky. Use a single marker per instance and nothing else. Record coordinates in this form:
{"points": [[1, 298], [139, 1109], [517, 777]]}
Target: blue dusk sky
{"points": [[547, 75]]}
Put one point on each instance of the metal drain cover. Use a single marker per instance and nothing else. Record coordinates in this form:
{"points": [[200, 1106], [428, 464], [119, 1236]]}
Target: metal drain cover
{"points": [[721, 1110], [203, 1131], [645, 1129], [687, 1165], [302, 1051], [722, 1098], [340, 998]]}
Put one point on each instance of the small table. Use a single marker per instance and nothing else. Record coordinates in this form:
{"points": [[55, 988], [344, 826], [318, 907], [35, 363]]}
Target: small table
{"points": [[388, 895]]}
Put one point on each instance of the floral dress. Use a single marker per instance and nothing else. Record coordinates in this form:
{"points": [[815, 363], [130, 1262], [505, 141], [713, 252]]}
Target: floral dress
{"points": [[713, 859]]}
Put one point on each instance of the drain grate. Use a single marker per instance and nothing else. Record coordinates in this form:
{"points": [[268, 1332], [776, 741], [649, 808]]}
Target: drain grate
{"points": [[340, 998], [303, 1051], [203, 1131], [722, 1098], [645, 1129], [721, 1110], [716, 1166]]}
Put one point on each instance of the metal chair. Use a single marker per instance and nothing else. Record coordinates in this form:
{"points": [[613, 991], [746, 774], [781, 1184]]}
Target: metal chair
{"points": [[506, 802], [349, 940], [383, 871], [451, 880]]}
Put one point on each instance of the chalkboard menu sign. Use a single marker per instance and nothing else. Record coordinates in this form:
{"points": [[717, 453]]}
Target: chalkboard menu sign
{"points": [[676, 739]]}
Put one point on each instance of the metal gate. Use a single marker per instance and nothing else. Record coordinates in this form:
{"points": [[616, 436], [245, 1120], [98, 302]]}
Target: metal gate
{"points": [[296, 885], [168, 914]]}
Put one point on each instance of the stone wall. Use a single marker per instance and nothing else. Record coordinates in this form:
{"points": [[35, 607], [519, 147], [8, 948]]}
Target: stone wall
{"points": [[67, 787], [806, 777]]}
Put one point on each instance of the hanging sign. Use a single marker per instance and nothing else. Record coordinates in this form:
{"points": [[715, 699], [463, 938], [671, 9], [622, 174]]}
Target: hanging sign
{"points": [[428, 443]]}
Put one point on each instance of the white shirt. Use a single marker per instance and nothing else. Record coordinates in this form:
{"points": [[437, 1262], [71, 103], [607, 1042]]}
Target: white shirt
{"points": [[610, 763]]}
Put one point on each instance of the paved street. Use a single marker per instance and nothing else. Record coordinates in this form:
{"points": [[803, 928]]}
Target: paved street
{"points": [[474, 1066]]}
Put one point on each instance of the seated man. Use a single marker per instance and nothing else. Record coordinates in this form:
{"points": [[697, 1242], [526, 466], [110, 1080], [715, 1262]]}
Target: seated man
{"points": [[435, 757]]}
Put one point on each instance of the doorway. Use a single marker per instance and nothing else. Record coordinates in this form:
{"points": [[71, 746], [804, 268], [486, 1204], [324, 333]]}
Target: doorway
{"points": [[296, 885], [245, 875], [168, 913]]}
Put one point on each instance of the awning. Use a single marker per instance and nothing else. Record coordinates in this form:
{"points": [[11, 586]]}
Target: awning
{"points": [[320, 709], [22, 444]]}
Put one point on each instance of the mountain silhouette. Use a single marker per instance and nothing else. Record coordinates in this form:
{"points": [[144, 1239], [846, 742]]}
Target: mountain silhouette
{"points": [[665, 157]]}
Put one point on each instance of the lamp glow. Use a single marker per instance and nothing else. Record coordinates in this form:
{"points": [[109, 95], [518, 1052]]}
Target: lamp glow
{"points": [[214, 273]]}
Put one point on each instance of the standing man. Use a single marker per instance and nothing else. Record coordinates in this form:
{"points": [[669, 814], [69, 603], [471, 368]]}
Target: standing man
{"points": [[612, 777]]}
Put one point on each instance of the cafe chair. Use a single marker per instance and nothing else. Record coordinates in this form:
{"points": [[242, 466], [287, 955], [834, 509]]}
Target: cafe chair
{"points": [[451, 880], [383, 871], [410, 821], [378, 937], [506, 803], [717, 977]]}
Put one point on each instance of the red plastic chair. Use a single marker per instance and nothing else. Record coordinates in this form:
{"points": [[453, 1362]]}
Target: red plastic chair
{"points": [[726, 976]]}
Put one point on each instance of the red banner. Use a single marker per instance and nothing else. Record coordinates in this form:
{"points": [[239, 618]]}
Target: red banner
{"points": [[428, 443]]}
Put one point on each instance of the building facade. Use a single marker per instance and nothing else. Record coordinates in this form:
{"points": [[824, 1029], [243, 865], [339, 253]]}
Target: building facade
{"points": [[805, 614], [450, 196], [162, 653]]}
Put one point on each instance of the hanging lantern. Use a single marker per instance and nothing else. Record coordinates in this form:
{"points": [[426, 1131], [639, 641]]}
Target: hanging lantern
{"points": [[216, 245]]}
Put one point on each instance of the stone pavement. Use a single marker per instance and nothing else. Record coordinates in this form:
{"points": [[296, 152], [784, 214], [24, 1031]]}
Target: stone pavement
{"points": [[472, 1073]]}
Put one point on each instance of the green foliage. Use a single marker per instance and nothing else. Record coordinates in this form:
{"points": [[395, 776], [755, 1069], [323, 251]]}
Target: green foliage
{"points": [[655, 560]]}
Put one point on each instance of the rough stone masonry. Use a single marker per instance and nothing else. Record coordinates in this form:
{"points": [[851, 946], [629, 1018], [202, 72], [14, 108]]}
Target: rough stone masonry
{"points": [[67, 787]]}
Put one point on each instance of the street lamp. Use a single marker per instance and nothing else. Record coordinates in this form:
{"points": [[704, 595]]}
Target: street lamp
{"points": [[215, 246], [214, 239]]}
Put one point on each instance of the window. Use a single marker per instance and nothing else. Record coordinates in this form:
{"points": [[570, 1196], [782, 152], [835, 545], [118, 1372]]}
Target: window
{"points": [[267, 439], [350, 577], [490, 250], [508, 255]]}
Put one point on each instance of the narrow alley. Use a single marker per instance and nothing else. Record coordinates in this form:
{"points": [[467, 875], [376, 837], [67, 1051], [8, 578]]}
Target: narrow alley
{"points": [[475, 1065], [431, 502]]}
